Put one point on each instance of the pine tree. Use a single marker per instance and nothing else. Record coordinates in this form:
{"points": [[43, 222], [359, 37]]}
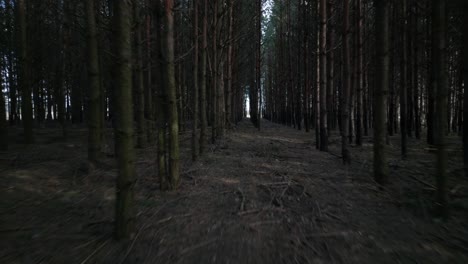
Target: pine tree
{"points": [[171, 97], [441, 78], [123, 126], [346, 86], [23, 73], [3, 121], [381, 90], [323, 76], [195, 143], [94, 88], [203, 86], [465, 91]]}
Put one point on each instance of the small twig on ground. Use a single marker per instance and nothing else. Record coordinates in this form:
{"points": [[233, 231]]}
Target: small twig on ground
{"points": [[423, 182], [95, 251], [202, 244], [241, 207], [318, 207]]}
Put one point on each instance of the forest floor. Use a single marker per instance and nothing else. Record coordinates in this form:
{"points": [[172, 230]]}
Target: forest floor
{"points": [[254, 197]]}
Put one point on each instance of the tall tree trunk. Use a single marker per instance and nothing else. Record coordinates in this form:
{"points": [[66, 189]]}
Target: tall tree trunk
{"points": [[124, 146], [381, 90], [259, 64], [323, 76], [465, 92], [3, 121], [139, 78], [13, 113], [404, 83], [229, 117], [203, 116], [431, 84], [440, 37], [62, 70], [214, 75], [171, 97], [94, 105], [346, 86], [417, 121], [359, 73], [330, 69], [161, 99], [195, 143], [23, 73], [149, 91]]}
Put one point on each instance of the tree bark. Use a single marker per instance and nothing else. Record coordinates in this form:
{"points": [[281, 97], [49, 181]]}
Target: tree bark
{"points": [[259, 64], [359, 73], [465, 92], [195, 143], [3, 121], [323, 76], [94, 105], [171, 97], [139, 79], [346, 86], [440, 37], [404, 82], [330, 69], [123, 126], [23, 73], [229, 117], [203, 116], [381, 90]]}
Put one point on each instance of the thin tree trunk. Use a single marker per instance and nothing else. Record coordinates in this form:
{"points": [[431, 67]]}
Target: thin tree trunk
{"points": [[23, 73], [203, 116], [346, 86], [171, 97], [259, 62], [13, 113], [94, 106], [195, 143], [214, 74], [139, 79], [404, 78], [3, 121], [148, 91], [359, 74], [330, 69], [440, 36], [431, 85], [465, 92], [323, 76], [381, 90], [123, 126], [229, 119]]}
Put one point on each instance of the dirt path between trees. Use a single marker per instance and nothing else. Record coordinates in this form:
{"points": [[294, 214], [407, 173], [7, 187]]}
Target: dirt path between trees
{"points": [[255, 197]]}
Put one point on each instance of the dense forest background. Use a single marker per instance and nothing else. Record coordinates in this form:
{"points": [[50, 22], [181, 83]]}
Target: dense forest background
{"points": [[379, 85]]}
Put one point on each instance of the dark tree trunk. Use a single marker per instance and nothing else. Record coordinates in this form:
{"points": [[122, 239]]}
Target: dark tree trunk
{"points": [[465, 92], [441, 77], [323, 76], [139, 82], [403, 85], [123, 126], [3, 121], [195, 146], [346, 86], [381, 90], [174, 166], [203, 86], [359, 76], [23, 73], [94, 87]]}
